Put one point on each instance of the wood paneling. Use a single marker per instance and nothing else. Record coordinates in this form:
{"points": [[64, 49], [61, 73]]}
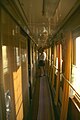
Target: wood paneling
{"points": [[73, 110], [67, 72]]}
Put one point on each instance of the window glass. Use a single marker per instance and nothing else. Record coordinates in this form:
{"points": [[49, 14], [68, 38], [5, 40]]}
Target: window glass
{"points": [[75, 77]]}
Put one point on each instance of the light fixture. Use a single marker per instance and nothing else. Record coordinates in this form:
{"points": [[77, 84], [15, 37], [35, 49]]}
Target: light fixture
{"points": [[44, 30]]}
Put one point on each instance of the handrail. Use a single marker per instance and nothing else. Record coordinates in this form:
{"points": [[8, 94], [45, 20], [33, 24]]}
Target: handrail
{"points": [[68, 82], [55, 67], [71, 86]]}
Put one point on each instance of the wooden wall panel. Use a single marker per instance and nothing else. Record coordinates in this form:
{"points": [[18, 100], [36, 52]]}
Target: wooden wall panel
{"points": [[67, 72], [12, 67], [18, 93]]}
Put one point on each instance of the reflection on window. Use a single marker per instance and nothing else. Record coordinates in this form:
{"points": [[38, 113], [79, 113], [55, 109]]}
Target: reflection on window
{"points": [[5, 59], [23, 55], [56, 65], [17, 57]]}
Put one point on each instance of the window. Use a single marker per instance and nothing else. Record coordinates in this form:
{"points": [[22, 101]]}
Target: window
{"points": [[75, 77]]}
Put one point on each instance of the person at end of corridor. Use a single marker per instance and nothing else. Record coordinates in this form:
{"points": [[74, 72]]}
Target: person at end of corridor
{"points": [[42, 58]]}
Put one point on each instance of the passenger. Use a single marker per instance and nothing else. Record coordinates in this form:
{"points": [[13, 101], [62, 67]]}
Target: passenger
{"points": [[42, 58]]}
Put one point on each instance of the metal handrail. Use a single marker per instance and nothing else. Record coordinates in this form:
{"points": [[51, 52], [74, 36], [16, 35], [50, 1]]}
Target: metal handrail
{"points": [[55, 67], [68, 82], [71, 86]]}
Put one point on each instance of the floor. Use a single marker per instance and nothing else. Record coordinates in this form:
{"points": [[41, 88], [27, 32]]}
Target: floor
{"points": [[45, 110], [42, 108]]}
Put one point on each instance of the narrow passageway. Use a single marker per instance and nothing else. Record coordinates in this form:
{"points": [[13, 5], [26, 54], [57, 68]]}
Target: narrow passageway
{"points": [[45, 110], [42, 108]]}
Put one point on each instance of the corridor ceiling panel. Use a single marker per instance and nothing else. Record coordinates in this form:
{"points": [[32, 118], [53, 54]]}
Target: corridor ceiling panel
{"points": [[44, 17], [39, 14]]}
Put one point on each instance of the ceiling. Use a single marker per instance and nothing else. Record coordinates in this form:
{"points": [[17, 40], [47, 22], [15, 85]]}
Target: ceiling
{"points": [[39, 17], [44, 17]]}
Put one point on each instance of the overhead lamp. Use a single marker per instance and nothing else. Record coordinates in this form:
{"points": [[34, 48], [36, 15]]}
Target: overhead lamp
{"points": [[44, 30]]}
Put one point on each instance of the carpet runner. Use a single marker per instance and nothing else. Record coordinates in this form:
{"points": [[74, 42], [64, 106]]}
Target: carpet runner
{"points": [[45, 110]]}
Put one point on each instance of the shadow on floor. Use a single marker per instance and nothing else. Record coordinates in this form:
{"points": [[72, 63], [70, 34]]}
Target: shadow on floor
{"points": [[35, 102]]}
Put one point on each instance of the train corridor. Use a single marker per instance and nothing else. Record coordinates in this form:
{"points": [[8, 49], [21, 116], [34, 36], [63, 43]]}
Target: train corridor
{"points": [[26, 26], [42, 108]]}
